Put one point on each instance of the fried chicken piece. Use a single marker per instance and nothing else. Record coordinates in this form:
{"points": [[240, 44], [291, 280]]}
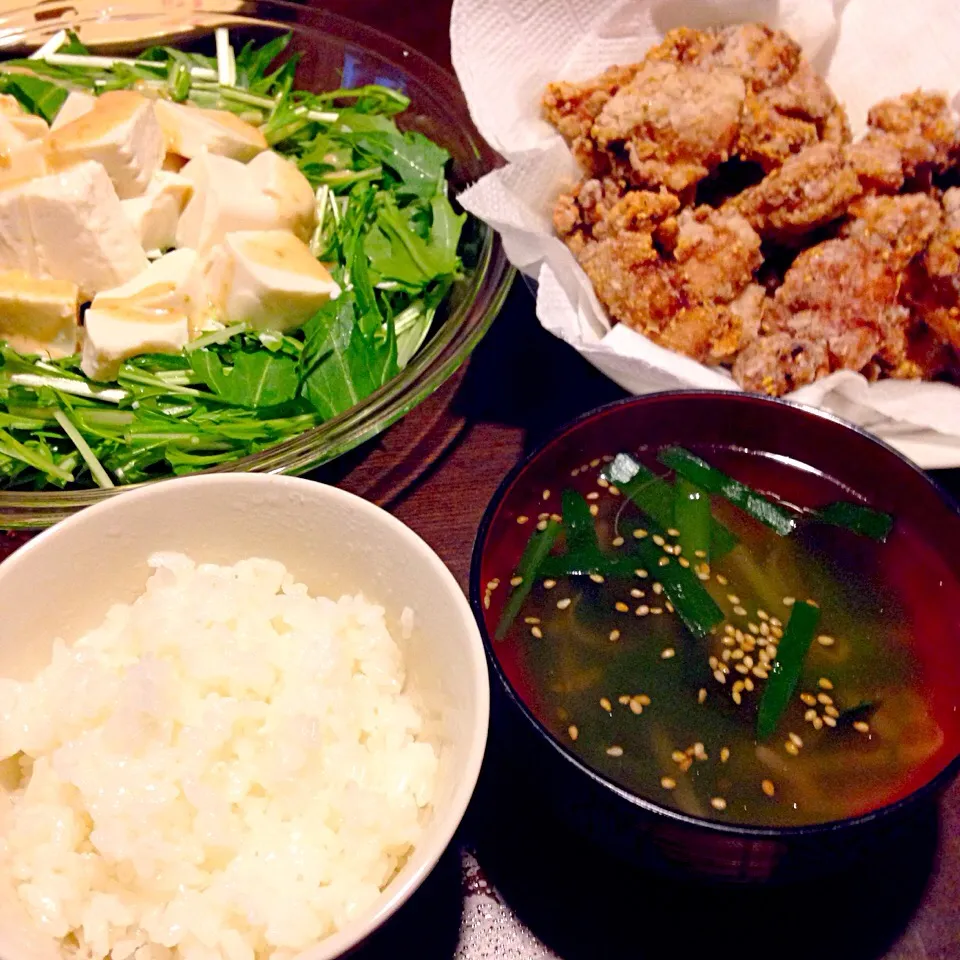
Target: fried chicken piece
{"points": [[674, 123], [932, 288], [811, 189], [576, 213], [787, 105], [573, 107], [762, 57], [694, 300], [842, 295], [780, 363], [716, 254], [782, 120], [927, 356], [919, 127], [900, 226]]}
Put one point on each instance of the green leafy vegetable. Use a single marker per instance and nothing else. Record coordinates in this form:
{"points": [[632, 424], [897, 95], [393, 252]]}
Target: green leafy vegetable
{"points": [[691, 517], [785, 670], [257, 379], [654, 496], [857, 518], [699, 472], [538, 547], [35, 94], [695, 607]]}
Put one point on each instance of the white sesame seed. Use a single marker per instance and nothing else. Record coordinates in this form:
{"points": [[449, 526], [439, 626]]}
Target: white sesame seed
{"points": [[825, 640], [593, 495], [668, 783], [564, 603], [516, 581], [861, 726], [642, 610], [614, 635], [522, 519], [536, 632], [606, 704], [701, 694], [718, 803], [614, 751], [594, 509], [617, 541], [549, 584], [596, 577], [573, 732], [667, 653]]}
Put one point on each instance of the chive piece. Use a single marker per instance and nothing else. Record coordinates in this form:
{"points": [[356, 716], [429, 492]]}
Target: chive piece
{"points": [[857, 518], [578, 523], [686, 464], [691, 516], [785, 671], [536, 550], [653, 495]]}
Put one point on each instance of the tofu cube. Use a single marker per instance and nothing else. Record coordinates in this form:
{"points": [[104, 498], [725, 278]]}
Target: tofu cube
{"points": [[173, 282], [267, 279], [24, 162], [74, 107], [116, 331], [70, 226], [224, 200], [122, 133], [191, 131], [289, 189], [39, 315], [156, 213]]}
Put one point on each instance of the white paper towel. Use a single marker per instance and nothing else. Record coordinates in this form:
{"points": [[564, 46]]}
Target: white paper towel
{"points": [[505, 52]]}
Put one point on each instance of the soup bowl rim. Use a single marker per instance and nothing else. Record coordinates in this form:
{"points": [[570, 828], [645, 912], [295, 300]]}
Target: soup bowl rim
{"points": [[734, 830]]}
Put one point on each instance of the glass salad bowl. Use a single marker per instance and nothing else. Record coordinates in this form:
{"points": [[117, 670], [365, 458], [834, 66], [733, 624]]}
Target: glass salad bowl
{"points": [[335, 52]]}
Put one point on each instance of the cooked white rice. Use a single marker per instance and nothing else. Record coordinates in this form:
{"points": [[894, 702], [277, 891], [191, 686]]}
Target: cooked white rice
{"points": [[227, 767]]}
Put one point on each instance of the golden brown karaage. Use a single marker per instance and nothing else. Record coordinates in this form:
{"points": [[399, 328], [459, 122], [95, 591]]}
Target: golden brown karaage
{"points": [[725, 213]]}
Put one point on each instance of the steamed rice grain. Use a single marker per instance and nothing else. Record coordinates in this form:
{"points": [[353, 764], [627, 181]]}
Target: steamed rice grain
{"points": [[226, 768]]}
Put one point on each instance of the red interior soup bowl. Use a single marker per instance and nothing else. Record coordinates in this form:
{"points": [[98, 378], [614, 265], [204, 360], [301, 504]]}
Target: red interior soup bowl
{"points": [[726, 633]]}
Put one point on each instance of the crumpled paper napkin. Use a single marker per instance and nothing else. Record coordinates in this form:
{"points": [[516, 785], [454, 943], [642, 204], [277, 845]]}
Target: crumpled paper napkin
{"points": [[506, 51]]}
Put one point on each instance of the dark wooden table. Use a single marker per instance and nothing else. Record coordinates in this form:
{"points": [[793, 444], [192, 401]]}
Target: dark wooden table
{"points": [[515, 885]]}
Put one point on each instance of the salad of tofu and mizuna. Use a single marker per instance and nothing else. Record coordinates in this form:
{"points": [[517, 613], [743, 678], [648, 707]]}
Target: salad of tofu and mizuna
{"points": [[198, 261]]}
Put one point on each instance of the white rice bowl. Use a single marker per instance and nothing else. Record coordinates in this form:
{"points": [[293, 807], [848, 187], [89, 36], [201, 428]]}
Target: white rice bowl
{"points": [[225, 768]]}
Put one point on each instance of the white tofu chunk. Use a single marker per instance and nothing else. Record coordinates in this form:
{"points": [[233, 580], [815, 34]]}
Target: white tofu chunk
{"points": [[267, 279], [173, 282], [74, 107], [122, 133], [191, 131], [290, 190], [116, 331], [29, 125], [18, 250], [39, 315], [155, 215], [224, 200], [24, 162], [77, 229]]}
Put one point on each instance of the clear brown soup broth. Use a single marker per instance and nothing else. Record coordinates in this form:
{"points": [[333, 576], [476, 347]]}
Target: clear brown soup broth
{"points": [[893, 610]]}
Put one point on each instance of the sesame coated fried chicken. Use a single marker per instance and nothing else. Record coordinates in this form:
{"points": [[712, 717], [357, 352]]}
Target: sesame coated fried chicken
{"points": [[839, 304], [712, 162], [673, 123], [697, 99], [933, 281], [691, 299], [908, 138], [811, 189]]}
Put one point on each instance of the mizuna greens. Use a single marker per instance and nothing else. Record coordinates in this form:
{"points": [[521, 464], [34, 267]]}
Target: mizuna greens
{"points": [[384, 222]]}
